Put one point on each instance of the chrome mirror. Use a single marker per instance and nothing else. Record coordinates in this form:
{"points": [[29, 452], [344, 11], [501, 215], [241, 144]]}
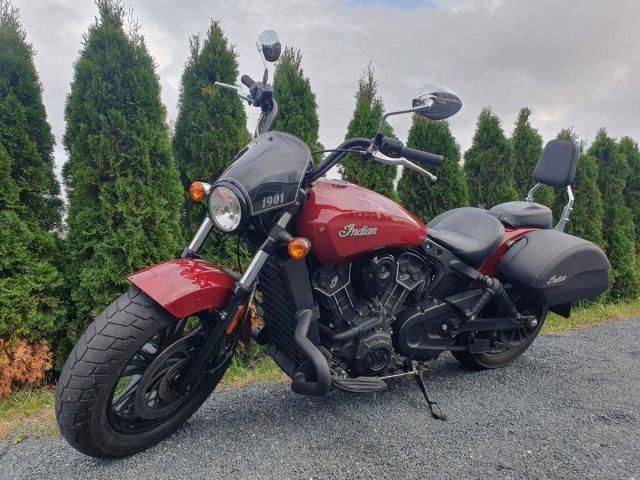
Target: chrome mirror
{"points": [[269, 45], [435, 102]]}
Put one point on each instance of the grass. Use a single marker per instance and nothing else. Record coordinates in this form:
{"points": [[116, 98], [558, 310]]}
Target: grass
{"points": [[29, 412], [585, 316], [262, 369]]}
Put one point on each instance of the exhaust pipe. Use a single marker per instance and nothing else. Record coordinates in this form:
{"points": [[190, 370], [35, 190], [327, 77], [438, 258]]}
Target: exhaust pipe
{"points": [[301, 384]]}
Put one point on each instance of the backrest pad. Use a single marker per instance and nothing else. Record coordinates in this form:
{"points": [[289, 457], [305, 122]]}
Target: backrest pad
{"points": [[557, 164]]}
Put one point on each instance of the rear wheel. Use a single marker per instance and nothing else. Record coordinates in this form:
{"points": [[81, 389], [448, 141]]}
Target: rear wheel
{"points": [[118, 392], [516, 342]]}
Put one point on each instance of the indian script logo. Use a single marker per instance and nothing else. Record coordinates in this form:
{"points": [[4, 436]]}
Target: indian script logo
{"points": [[352, 231], [556, 279]]}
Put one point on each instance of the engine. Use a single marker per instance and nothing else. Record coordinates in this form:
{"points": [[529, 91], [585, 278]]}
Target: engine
{"points": [[359, 302]]}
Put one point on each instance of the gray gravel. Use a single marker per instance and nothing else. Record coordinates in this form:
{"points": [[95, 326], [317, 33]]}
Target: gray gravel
{"points": [[569, 408]]}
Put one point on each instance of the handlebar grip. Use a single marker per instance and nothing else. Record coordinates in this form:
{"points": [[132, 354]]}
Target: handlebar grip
{"points": [[421, 157], [247, 81]]}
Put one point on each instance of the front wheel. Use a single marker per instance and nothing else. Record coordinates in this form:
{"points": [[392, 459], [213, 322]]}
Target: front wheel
{"points": [[118, 392]]}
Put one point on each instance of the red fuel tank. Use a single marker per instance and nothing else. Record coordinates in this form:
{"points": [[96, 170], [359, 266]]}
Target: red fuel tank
{"points": [[343, 220]]}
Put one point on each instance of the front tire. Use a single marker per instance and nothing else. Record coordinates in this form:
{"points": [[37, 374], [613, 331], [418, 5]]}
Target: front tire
{"points": [[88, 386]]}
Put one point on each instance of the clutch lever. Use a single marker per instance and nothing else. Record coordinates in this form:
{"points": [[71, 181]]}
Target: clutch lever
{"points": [[386, 160], [236, 89]]}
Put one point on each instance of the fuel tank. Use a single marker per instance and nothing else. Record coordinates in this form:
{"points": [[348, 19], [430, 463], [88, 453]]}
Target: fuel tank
{"points": [[343, 220]]}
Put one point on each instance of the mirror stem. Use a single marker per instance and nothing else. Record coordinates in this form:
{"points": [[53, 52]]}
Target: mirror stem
{"points": [[383, 121]]}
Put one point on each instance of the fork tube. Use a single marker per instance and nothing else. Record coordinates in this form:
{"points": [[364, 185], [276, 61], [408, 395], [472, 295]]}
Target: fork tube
{"points": [[198, 239]]}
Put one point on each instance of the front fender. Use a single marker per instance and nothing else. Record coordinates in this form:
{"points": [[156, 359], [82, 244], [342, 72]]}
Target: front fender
{"points": [[186, 286]]}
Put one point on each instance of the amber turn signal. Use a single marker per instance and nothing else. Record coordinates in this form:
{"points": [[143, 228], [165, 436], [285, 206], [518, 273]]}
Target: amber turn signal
{"points": [[238, 316], [199, 190], [298, 248]]}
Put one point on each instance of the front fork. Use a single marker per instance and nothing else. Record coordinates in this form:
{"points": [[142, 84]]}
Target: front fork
{"points": [[242, 292]]}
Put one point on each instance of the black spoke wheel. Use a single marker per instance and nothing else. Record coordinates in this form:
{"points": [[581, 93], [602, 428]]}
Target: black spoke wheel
{"points": [[147, 390], [119, 391]]}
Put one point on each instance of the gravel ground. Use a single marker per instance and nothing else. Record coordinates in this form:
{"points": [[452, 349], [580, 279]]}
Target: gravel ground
{"points": [[569, 408]]}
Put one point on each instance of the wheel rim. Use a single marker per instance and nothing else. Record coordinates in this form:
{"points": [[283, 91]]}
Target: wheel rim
{"points": [[145, 394], [523, 336]]}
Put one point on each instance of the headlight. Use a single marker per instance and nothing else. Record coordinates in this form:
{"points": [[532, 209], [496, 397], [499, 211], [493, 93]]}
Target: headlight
{"points": [[225, 209]]}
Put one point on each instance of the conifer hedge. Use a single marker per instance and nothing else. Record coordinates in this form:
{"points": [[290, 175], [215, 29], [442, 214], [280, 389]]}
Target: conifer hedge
{"points": [[364, 123], [418, 193], [488, 164], [210, 128], [32, 305], [123, 188]]}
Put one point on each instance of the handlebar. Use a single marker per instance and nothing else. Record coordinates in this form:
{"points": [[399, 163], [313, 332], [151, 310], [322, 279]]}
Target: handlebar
{"points": [[421, 157], [395, 148], [247, 81]]}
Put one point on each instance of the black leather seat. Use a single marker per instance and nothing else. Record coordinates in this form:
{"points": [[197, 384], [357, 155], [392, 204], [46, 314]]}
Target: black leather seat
{"points": [[523, 214], [470, 233]]}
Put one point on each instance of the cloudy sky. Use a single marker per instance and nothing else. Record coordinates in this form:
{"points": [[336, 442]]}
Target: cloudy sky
{"points": [[574, 63]]}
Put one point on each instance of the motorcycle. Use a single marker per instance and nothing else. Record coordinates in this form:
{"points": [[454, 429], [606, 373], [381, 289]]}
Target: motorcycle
{"points": [[353, 290]]}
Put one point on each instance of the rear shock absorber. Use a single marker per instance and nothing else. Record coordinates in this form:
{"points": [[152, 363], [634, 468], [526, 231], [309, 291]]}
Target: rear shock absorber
{"points": [[494, 289]]}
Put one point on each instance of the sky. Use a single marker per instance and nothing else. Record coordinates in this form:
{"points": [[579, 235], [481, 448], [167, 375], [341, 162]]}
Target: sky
{"points": [[573, 63]]}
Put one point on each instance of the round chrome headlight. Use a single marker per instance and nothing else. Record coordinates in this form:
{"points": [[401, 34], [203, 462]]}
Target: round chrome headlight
{"points": [[225, 209]]}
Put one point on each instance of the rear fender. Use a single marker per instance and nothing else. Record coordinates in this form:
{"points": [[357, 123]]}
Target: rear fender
{"points": [[186, 286]]}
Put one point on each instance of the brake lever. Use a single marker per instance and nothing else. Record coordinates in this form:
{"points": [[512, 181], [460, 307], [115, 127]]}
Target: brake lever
{"points": [[236, 89], [386, 160]]}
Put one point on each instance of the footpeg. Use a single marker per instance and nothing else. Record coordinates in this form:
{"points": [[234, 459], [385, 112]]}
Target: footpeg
{"points": [[436, 411], [359, 384]]}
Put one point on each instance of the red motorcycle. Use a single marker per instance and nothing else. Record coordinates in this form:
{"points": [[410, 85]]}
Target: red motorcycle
{"points": [[353, 289]]}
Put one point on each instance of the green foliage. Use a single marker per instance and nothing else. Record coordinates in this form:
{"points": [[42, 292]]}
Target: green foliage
{"points": [[588, 214], [123, 187], [30, 305], [364, 123], [421, 196], [527, 148], [618, 227], [30, 284], [297, 108], [210, 128], [488, 164], [632, 191], [26, 135]]}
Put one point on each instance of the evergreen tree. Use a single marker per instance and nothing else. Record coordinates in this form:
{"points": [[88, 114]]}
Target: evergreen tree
{"points": [[210, 128], [30, 284], [527, 148], [587, 215], [364, 123], [632, 191], [123, 187], [488, 164], [29, 142], [618, 227], [297, 107], [419, 194]]}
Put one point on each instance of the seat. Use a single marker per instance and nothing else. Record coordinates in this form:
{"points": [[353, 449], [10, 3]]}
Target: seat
{"points": [[470, 233], [523, 214], [556, 168]]}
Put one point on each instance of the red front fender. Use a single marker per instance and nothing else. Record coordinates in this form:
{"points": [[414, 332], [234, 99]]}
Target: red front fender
{"points": [[185, 287]]}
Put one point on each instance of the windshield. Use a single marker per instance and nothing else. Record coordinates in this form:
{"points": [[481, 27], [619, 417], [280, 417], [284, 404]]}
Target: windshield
{"points": [[269, 171]]}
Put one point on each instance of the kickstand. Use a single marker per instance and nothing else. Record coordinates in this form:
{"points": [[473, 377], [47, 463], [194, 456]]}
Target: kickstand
{"points": [[436, 411]]}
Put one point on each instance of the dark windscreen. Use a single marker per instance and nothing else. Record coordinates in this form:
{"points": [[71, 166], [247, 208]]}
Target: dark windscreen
{"points": [[269, 170]]}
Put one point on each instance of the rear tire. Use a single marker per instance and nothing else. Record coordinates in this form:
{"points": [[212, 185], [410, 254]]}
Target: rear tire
{"points": [[487, 361], [92, 372]]}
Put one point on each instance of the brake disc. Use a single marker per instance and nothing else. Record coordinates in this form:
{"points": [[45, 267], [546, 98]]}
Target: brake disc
{"points": [[157, 395]]}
